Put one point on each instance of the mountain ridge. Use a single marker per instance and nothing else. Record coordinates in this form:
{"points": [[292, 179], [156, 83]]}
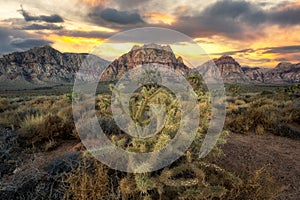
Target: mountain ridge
{"points": [[146, 54], [45, 65], [232, 72], [41, 65]]}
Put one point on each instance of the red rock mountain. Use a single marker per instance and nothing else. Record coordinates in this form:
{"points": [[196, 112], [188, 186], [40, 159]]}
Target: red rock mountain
{"points": [[229, 69], [255, 74], [45, 66], [41, 66], [149, 53], [283, 73], [232, 72]]}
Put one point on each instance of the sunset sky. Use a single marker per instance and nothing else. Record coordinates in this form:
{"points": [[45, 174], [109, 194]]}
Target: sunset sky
{"points": [[255, 32]]}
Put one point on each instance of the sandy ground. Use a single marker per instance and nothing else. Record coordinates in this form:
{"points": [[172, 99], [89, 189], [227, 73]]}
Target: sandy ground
{"points": [[243, 153], [251, 152]]}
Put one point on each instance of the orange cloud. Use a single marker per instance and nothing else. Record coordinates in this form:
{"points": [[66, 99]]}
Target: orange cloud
{"points": [[74, 44], [156, 18], [94, 2]]}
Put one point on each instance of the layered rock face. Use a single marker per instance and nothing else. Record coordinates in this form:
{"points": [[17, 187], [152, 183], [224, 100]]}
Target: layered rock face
{"points": [[139, 55], [41, 65], [283, 73], [231, 72], [228, 68], [255, 74], [45, 65]]}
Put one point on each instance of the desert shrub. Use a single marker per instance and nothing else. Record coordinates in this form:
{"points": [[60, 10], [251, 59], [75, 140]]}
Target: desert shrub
{"points": [[18, 115], [234, 89], [66, 114], [291, 112], [45, 128], [254, 119], [270, 111], [56, 127], [260, 185], [258, 116], [30, 127], [239, 102], [232, 107], [267, 93], [3, 104], [187, 178], [50, 145], [13, 114], [89, 181], [259, 130], [52, 127], [287, 130], [63, 164], [293, 90]]}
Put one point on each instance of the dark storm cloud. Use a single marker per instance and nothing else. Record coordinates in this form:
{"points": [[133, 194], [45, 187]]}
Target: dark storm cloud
{"points": [[6, 35], [285, 17], [29, 43], [199, 26], [120, 17], [235, 11], [110, 15], [252, 14], [42, 27], [44, 18], [226, 18], [282, 49], [236, 19], [17, 40]]}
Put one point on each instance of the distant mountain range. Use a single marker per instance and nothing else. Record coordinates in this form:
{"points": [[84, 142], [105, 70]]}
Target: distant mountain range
{"points": [[47, 66], [232, 72]]}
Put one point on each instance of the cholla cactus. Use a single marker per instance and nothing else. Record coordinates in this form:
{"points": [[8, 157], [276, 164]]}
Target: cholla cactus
{"points": [[187, 177]]}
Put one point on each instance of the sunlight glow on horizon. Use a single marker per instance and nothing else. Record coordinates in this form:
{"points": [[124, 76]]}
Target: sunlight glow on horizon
{"points": [[83, 28]]}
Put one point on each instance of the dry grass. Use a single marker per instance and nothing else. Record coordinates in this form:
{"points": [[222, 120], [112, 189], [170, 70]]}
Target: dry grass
{"points": [[260, 185], [30, 127], [88, 181], [38, 129]]}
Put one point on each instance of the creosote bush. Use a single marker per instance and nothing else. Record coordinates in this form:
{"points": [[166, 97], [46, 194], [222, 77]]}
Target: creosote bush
{"points": [[261, 114]]}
